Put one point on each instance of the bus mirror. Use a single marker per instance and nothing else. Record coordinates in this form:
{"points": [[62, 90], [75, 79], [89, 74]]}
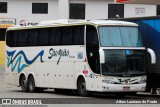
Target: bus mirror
{"points": [[102, 57], [153, 55]]}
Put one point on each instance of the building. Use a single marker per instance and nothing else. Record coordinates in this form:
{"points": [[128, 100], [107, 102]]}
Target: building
{"points": [[31, 12]]}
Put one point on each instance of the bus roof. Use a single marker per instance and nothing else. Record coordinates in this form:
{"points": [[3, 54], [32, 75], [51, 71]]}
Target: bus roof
{"points": [[65, 22]]}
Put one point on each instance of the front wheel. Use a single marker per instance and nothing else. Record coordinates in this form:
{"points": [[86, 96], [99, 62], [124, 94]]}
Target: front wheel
{"points": [[82, 88]]}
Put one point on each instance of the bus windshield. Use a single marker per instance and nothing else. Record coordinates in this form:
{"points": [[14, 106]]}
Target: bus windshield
{"points": [[116, 36], [124, 62]]}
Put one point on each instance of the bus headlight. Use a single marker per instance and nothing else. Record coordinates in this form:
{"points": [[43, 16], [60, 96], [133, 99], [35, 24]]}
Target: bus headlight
{"points": [[108, 81]]}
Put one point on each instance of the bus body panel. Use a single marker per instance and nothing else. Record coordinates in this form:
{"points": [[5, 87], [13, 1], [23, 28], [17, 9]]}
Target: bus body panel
{"points": [[48, 68]]}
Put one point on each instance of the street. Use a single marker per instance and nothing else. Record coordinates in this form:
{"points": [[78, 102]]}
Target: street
{"points": [[8, 91]]}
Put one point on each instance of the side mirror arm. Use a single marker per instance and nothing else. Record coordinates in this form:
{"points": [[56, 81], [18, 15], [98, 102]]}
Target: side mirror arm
{"points": [[153, 55]]}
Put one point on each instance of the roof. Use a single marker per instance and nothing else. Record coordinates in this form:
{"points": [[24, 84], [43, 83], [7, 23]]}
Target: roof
{"points": [[65, 22]]}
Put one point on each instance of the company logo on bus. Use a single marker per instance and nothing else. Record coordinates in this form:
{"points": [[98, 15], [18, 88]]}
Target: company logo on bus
{"points": [[58, 53]]}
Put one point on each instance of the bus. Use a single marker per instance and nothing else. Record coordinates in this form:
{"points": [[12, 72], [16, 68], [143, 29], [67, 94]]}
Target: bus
{"points": [[87, 56]]}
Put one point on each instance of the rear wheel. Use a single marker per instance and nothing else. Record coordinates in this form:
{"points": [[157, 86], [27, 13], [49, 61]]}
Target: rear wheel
{"points": [[23, 84], [82, 88], [31, 85]]}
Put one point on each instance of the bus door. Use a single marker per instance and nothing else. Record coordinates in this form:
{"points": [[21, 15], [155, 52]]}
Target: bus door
{"points": [[92, 49]]}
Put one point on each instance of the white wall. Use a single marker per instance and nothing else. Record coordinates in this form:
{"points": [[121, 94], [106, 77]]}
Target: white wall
{"points": [[130, 10], [22, 10], [59, 9]]}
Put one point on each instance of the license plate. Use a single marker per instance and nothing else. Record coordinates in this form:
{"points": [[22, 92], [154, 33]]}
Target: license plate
{"points": [[126, 88]]}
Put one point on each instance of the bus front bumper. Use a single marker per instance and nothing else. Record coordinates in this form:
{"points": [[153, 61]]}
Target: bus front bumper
{"points": [[123, 88]]}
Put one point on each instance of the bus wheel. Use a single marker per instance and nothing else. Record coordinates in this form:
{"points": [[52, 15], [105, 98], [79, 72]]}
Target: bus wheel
{"points": [[82, 88], [23, 84], [31, 85]]}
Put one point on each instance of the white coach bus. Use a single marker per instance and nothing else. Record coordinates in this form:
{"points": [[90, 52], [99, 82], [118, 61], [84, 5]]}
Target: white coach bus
{"points": [[88, 56]]}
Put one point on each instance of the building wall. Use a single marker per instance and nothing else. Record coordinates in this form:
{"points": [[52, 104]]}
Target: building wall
{"points": [[59, 9], [139, 10], [22, 10]]}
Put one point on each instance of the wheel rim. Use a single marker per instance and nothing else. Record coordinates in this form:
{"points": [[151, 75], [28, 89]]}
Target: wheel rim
{"points": [[83, 87], [31, 85]]}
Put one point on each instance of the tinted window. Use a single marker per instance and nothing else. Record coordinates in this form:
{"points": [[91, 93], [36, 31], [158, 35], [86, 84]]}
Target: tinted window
{"points": [[77, 11], [40, 8], [54, 38], [3, 7], [9, 38], [43, 35], [66, 35], [78, 38], [92, 37], [2, 34], [21, 38], [73, 35], [32, 37]]}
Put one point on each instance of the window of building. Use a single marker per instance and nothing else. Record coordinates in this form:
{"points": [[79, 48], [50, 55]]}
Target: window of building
{"points": [[39, 8], [77, 11], [3, 7], [158, 9], [115, 10]]}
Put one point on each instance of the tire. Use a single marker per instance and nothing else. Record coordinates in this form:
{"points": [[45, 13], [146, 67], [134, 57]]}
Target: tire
{"points": [[82, 88], [31, 85], [23, 84]]}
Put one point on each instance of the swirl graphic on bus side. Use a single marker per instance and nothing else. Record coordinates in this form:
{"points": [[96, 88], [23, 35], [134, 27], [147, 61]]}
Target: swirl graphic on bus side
{"points": [[12, 60]]}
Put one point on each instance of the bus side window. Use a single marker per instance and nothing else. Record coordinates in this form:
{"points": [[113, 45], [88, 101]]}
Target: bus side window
{"points": [[92, 46], [32, 37], [14, 39], [9, 39], [2, 34], [21, 38], [43, 37], [78, 35], [66, 35], [54, 37]]}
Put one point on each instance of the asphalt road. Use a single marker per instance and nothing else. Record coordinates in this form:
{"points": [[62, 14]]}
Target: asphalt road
{"points": [[8, 91]]}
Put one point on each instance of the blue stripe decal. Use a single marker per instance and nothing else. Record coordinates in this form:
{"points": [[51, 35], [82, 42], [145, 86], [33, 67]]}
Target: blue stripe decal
{"points": [[20, 66]]}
